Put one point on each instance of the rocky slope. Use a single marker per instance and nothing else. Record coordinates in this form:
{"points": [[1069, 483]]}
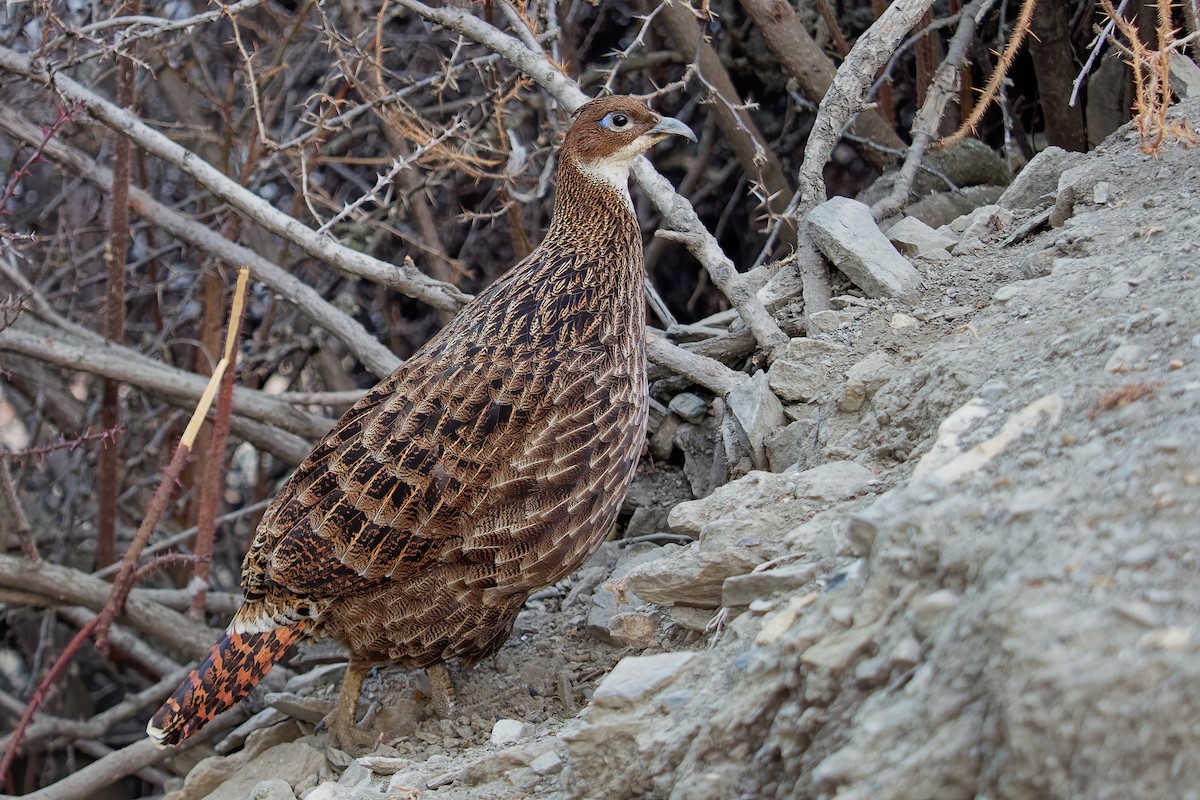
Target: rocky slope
{"points": [[973, 571]]}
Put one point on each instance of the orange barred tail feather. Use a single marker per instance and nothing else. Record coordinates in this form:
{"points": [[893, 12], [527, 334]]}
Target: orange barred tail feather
{"points": [[233, 667]]}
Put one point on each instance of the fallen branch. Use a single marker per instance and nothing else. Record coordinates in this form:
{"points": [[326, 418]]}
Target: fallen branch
{"points": [[58, 585]]}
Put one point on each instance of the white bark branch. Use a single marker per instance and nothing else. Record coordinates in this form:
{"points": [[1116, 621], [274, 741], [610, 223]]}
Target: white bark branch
{"points": [[362, 344], [407, 281]]}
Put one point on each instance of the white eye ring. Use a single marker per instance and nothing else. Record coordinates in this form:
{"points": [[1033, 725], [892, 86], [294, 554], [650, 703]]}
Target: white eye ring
{"points": [[616, 121]]}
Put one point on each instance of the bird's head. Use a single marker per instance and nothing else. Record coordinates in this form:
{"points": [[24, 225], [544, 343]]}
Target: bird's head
{"points": [[610, 133]]}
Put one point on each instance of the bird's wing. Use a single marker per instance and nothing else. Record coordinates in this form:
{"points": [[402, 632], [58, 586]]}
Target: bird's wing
{"points": [[436, 465]]}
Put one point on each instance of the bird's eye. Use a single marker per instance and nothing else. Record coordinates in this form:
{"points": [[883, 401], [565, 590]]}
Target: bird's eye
{"points": [[616, 121]]}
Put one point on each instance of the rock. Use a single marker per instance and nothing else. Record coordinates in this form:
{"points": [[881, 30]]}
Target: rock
{"points": [[383, 765], [1035, 185], [1142, 556], [548, 763], [272, 789], [509, 731], [915, 239], [336, 791], [290, 762], [305, 709], [692, 619], [692, 578], [786, 446], [844, 230], [759, 412], [930, 611], [864, 379], [613, 598], [830, 321], [635, 629], [982, 224], [689, 406], [804, 369], [636, 678], [407, 784], [940, 208], [774, 502], [1126, 358], [742, 590], [1185, 76], [902, 321]]}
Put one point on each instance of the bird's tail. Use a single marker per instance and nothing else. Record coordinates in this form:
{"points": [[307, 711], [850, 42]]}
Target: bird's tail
{"points": [[232, 668]]}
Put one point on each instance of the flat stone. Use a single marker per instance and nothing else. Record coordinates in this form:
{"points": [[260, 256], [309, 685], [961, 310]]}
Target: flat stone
{"points": [[864, 379], [508, 731], [689, 406], [915, 239], [692, 619], [1035, 185], [548, 763], [290, 762], [383, 765], [760, 413], [803, 371], [272, 789], [844, 230], [637, 678], [306, 709], [742, 590], [830, 321], [772, 499], [336, 791], [691, 578]]}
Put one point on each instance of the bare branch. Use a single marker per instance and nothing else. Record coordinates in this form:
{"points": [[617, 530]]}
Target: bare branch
{"points": [[421, 287]]}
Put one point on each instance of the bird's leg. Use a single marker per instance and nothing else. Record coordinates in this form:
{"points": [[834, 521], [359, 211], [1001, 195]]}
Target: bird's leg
{"points": [[342, 720], [444, 695]]}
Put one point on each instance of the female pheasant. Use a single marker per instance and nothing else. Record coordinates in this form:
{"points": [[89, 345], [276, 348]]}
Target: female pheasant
{"points": [[490, 464]]}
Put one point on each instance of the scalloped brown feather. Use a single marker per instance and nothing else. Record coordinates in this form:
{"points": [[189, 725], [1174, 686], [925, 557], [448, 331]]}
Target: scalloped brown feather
{"points": [[492, 463]]}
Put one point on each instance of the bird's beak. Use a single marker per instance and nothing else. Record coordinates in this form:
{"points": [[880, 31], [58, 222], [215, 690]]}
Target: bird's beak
{"points": [[669, 126]]}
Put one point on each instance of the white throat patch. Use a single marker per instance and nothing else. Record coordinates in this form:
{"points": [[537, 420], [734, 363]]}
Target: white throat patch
{"points": [[614, 170]]}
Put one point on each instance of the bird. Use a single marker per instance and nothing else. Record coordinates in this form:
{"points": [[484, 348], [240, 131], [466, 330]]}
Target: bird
{"points": [[490, 464]]}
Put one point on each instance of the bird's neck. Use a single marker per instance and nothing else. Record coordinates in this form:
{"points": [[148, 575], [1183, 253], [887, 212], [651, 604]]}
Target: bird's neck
{"points": [[589, 197], [588, 271]]}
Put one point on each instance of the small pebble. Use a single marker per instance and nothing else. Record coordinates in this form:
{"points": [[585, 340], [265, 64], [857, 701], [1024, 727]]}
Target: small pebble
{"points": [[507, 731], [1141, 556], [1138, 612], [1117, 290], [689, 406], [902, 321], [760, 607], [547, 763], [993, 390]]}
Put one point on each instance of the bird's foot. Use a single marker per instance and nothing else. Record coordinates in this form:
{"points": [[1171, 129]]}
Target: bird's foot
{"points": [[353, 739]]}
